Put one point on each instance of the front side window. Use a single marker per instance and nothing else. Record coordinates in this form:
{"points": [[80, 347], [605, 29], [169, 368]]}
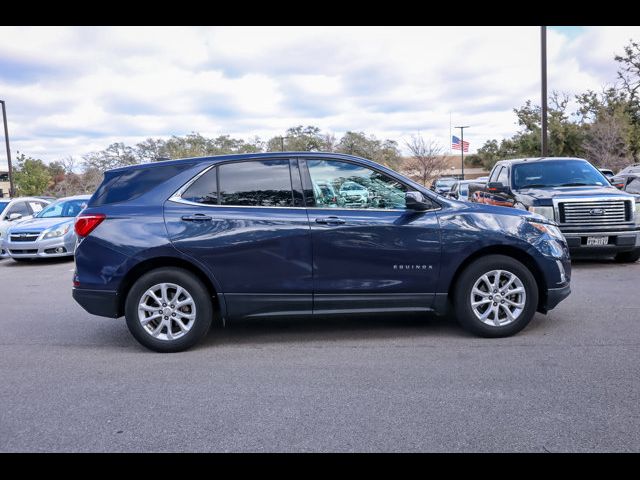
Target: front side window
{"points": [[494, 175], [20, 207], [253, 183], [503, 177], [346, 185]]}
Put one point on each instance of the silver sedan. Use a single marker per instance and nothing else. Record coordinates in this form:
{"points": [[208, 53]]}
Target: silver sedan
{"points": [[50, 233]]}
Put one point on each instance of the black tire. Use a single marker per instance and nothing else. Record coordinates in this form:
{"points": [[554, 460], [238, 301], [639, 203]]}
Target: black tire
{"points": [[464, 285], [197, 291], [628, 257]]}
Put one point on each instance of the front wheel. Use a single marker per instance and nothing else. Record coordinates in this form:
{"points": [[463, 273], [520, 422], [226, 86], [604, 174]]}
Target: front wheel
{"points": [[168, 310], [628, 257], [495, 296]]}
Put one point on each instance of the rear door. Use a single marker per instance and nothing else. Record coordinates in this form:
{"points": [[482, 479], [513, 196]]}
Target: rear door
{"points": [[246, 222]]}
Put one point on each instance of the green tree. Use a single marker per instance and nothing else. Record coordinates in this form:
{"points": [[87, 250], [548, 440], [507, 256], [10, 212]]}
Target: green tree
{"points": [[32, 176]]}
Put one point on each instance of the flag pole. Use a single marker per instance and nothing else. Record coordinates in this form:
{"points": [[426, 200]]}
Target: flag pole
{"points": [[462, 146], [450, 135]]}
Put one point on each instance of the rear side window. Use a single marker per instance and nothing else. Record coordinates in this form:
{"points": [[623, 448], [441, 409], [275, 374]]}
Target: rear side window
{"points": [[132, 183], [258, 184], [204, 189]]}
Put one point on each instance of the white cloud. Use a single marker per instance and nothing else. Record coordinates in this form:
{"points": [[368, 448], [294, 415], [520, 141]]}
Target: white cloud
{"points": [[73, 90]]}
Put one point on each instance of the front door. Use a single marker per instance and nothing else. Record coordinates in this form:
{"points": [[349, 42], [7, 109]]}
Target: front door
{"points": [[370, 253], [245, 221]]}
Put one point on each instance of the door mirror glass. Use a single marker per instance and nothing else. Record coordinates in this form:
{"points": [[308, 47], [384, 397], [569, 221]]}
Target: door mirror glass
{"points": [[416, 201]]}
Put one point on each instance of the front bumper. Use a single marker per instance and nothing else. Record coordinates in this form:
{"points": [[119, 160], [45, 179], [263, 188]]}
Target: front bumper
{"points": [[618, 241], [555, 296], [40, 248], [104, 303]]}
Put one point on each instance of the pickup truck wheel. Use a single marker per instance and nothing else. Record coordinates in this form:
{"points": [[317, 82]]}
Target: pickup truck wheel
{"points": [[628, 257], [495, 296], [168, 310]]}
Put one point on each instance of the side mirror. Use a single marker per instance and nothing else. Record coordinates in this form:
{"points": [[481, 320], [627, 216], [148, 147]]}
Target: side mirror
{"points": [[416, 201], [454, 195], [497, 187], [15, 216]]}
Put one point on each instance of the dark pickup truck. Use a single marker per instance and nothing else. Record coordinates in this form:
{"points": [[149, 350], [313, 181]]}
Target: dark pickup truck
{"points": [[594, 216]]}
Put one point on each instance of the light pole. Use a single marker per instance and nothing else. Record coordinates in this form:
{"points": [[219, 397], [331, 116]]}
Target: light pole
{"points": [[462, 146], [543, 71], [6, 141]]}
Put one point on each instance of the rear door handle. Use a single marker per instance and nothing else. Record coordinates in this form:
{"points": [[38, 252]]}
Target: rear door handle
{"points": [[330, 220], [198, 217]]}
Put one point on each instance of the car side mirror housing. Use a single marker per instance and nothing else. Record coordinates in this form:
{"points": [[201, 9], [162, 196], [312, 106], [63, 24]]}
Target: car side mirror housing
{"points": [[15, 216], [416, 201], [497, 187]]}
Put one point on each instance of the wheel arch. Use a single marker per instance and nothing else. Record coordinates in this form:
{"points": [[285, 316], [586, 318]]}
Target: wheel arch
{"points": [[509, 251], [145, 266]]}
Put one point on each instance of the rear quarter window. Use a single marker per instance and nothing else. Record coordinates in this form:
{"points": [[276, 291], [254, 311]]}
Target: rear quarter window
{"points": [[131, 184]]}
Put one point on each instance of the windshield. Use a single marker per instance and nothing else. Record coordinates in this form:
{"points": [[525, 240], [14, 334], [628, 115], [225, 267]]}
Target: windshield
{"points": [[445, 182], [464, 189], [65, 208], [561, 173]]}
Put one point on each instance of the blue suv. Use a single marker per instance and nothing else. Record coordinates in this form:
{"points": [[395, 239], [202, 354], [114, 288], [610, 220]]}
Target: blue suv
{"points": [[173, 245]]}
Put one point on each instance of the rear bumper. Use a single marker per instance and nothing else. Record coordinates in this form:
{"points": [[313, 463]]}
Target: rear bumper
{"points": [[104, 303]]}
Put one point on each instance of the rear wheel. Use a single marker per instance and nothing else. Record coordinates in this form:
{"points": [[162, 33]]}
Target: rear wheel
{"points": [[168, 310], [628, 257], [495, 296]]}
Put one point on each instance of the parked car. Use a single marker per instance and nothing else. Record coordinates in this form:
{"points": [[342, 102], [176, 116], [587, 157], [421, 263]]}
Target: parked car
{"points": [[607, 173], [632, 183], [460, 189], [325, 194], [353, 194], [13, 211], [50, 233], [171, 245], [619, 179], [593, 216], [442, 185]]}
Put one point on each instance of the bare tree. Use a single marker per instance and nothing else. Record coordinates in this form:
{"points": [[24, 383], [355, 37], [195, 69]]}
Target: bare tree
{"points": [[605, 143], [426, 159]]}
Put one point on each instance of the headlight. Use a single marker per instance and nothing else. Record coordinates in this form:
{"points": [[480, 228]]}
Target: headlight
{"points": [[552, 230], [546, 212], [637, 213], [58, 232]]}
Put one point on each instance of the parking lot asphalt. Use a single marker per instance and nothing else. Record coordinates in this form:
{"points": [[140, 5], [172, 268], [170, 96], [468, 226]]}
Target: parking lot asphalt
{"points": [[570, 381]]}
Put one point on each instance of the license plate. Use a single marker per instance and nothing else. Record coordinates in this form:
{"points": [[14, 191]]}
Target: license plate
{"points": [[597, 241]]}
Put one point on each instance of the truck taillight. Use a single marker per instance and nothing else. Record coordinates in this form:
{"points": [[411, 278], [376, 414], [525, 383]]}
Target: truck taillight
{"points": [[85, 224]]}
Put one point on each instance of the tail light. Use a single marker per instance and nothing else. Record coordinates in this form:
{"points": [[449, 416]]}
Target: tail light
{"points": [[85, 224]]}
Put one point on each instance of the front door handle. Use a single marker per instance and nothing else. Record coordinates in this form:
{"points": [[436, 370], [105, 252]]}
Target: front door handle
{"points": [[198, 217], [330, 220]]}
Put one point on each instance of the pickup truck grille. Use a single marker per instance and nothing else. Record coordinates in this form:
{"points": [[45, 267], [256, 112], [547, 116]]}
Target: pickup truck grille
{"points": [[595, 212], [24, 237]]}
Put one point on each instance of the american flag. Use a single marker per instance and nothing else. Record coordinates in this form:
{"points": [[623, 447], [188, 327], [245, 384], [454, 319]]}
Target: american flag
{"points": [[455, 144]]}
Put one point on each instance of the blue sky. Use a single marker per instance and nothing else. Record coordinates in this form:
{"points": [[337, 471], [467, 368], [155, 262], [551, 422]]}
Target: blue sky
{"points": [[72, 90]]}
